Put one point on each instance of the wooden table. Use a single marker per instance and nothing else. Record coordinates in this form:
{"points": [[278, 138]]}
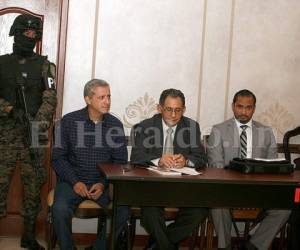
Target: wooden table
{"points": [[137, 186]]}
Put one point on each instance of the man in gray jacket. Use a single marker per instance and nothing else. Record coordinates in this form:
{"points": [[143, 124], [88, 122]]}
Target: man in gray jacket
{"points": [[245, 138]]}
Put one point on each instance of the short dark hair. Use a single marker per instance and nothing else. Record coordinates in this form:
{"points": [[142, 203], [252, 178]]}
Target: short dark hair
{"points": [[244, 92], [173, 93]]}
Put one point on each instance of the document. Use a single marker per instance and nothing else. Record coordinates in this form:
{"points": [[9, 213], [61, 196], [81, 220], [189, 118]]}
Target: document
{"points": [[163, 171], [175, 171], [186, 170]]}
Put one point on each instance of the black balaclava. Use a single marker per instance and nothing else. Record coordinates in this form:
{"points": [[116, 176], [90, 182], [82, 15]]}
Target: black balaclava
{"points": [[24, 45]]}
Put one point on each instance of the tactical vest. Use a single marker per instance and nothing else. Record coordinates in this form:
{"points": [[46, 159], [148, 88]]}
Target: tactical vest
{"points": [[30, 69]]}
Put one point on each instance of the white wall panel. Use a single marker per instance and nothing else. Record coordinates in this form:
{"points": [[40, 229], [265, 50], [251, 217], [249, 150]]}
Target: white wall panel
{"points": [[147, 46], [79, 55], [215, 63], [265, 59]]}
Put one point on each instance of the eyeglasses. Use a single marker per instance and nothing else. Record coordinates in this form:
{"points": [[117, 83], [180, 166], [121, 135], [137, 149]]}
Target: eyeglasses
{"points": [[171, 110]]}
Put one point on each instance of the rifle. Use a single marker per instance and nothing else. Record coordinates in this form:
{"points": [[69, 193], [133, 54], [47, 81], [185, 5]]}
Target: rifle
{"points": [[24, 118]]}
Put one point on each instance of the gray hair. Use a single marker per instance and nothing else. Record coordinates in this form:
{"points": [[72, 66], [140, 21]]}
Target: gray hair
{"points": [[91, 85]]}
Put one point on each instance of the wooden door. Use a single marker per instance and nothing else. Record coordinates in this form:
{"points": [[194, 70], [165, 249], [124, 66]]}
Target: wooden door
{"points": [[54, 16]]}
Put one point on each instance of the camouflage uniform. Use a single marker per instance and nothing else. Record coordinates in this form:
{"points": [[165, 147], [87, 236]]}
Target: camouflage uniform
{"points": [[41, 104], [12, 149]]}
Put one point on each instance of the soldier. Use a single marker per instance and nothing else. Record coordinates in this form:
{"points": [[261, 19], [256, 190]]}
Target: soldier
{"points": [[27, 105]]}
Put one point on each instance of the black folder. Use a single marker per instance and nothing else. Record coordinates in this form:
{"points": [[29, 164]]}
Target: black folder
{"points": [[254, 166]]}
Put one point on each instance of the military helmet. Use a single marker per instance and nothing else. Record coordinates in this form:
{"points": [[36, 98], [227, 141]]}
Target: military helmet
{"points": [[26, 22]]}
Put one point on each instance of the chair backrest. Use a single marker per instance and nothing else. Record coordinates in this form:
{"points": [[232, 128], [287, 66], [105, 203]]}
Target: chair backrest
{"points": [[8, 15], [205, 142], [286, 140]]}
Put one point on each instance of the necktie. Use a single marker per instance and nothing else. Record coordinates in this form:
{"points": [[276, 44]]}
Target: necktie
{"points": [[168, 147], [243, 141]]}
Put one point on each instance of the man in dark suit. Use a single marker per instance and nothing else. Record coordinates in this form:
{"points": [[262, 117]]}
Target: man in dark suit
{"points": [[169, 140], [227, 142]]}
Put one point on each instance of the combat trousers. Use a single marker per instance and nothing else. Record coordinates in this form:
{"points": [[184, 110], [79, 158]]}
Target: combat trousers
{"points": [[32, 181]]}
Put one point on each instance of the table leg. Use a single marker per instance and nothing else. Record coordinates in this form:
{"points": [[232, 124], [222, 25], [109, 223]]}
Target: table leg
{"points": [[113, 221]]}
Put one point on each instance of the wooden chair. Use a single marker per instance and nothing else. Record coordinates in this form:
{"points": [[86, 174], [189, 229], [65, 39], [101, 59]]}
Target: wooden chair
{"points": [[18, 10], [286, 142], [288, 149], [170, 214], [86, 209], [250, 217]]}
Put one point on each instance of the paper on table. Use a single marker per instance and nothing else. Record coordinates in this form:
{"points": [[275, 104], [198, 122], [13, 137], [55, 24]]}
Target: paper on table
{"points": [[186, 170], [175, 171], [162, 171]]}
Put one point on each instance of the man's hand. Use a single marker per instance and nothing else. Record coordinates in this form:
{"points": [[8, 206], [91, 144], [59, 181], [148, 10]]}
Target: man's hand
{"points": [[179, 160], [81, 189], [8, 109], [96, 191], [166, 161]]}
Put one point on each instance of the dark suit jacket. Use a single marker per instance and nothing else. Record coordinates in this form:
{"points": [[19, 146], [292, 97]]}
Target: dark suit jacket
{"points": [[147, 138]]}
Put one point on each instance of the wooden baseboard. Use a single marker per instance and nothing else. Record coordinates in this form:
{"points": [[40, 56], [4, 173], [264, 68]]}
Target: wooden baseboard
{"points": [[7, 230], [17, 221], [141, 240], [86, 239]]}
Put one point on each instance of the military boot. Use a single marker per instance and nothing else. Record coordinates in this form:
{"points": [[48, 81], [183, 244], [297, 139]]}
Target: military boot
{"points": [[28, 238], [30, 243]]}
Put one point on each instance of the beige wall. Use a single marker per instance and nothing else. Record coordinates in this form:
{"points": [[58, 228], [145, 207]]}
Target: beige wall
{"points": [[140, 47], [208, 48], [254, 45]]}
